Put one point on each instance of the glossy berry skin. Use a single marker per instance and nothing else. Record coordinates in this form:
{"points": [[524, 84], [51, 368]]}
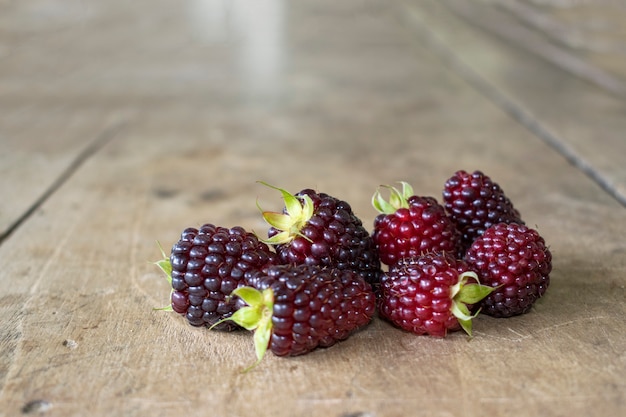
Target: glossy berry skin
{"points": [[474, 202], [333, 237], [416, 294], [314, 307], [514, 258], [409, 232], [207, 265]]}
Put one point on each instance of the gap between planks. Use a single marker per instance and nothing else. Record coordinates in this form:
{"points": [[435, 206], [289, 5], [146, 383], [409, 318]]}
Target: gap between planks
{"points": [[493, 21], [513, 108], [104, 137]]}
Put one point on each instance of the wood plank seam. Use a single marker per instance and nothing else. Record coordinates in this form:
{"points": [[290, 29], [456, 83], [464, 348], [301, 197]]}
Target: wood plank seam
{"points": [[100, 140], [530, 41], [559, 32], [513, 108]]}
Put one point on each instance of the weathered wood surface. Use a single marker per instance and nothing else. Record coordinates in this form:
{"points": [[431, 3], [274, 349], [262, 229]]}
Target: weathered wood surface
{"points": [[171, 112], [574, 98], [40, 147]]}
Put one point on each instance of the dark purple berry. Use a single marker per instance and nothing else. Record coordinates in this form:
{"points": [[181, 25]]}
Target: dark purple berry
{"points": [[474, 202], [318, 229], [513, 259], [207, 264]]}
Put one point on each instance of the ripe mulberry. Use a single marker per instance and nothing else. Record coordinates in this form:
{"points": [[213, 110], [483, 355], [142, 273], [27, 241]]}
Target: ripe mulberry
{"points": [[294, 309], [430, 294], [206, 265], [409, 225], [513, 259], [475, 202], [318, 229]]}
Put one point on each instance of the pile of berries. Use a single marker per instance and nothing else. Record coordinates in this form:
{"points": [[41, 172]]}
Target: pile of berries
{"points": [[319, 276]]}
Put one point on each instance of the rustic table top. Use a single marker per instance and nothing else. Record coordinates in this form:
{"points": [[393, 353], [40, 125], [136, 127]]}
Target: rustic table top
{"points": [[124, 122]]}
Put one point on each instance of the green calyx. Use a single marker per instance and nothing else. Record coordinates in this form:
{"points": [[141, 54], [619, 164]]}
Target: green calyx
{"points": [[299, 211], [397, 199], [256, 315], [464, 293], [165, 265]]}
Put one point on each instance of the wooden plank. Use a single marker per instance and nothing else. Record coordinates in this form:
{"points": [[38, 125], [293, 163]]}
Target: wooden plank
{"points": [[43, 136], [40, 149], [362, 103], [533, 40], [594, 31], [95, 288], [555, 104]]}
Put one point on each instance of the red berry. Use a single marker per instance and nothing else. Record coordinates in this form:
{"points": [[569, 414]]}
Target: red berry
{"points": [[411, 225], [206, 265], [430, 294], [474, 202], [513, 259], [296, 309], [318, 229]]}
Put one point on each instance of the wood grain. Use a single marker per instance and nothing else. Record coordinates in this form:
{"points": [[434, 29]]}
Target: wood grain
{"points": [[525, 79], [361, 101], [39, 151]]}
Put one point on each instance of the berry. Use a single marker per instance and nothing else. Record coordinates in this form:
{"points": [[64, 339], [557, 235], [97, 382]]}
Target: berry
{"points": [[410, 225], [475, 202], [318, 229], [206, 265], [430, 294], [513, 259], [294, 309]]}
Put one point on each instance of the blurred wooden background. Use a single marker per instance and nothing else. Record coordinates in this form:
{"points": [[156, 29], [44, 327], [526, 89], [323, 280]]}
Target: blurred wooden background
{"points": [[124, 122]]}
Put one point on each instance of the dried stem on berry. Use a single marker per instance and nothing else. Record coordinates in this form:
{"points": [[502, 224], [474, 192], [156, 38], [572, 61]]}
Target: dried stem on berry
{"points": [[298, 212], [257, 316], [397, 199], [464, 294], [164, 265]]}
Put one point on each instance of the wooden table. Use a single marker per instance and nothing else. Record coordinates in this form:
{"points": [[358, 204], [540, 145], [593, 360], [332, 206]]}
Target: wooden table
{"points": [[124, 122]]}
